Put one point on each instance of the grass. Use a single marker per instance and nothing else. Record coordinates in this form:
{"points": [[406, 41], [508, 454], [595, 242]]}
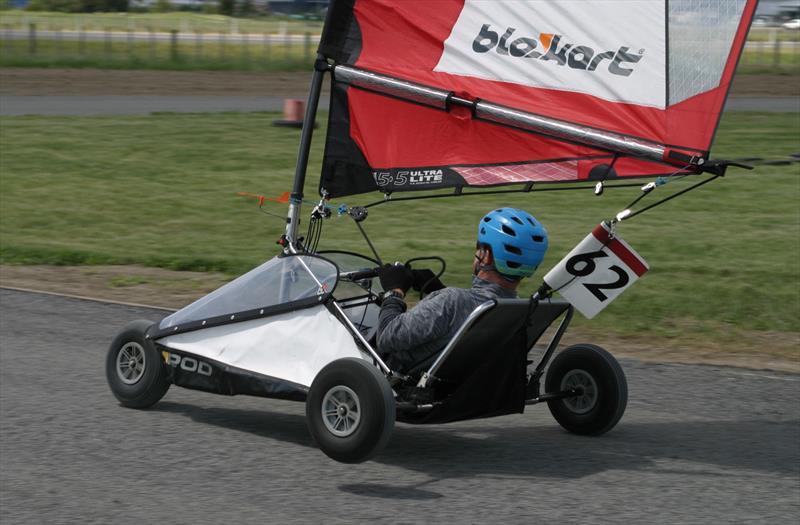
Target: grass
{"points": [[214, 53], [198, 54], [770, 34], [180, 21], [767, 61], [150, 190]]}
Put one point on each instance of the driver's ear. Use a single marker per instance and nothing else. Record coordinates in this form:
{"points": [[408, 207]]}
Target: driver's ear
{"points": [[487, 257]]}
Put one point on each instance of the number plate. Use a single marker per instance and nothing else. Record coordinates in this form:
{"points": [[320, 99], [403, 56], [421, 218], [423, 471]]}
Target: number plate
{"points": [[596, 271]]}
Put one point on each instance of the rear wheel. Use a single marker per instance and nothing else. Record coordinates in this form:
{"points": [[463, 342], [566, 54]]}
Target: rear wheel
{"points": [[350, 410], [135, 371], [601, 385]]}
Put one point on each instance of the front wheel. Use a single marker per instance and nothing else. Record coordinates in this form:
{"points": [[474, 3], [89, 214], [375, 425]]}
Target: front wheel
{"points": [[350, 410], [135, 371], [601, 386]]}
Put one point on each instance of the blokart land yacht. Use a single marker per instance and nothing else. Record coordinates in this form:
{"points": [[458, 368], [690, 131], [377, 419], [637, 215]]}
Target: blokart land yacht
{"points": [[451, 99]]}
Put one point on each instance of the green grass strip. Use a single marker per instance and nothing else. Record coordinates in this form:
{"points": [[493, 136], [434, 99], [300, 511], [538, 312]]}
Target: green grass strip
{"points": [[160, 190]]}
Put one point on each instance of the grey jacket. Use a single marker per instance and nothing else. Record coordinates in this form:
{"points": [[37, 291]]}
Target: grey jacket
{"points": [[408, 338]]}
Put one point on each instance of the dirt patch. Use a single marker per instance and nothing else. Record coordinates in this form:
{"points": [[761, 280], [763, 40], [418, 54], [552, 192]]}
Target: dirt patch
{"points": [[172, 290], [132, 284], [766, 86], [88, 82]]}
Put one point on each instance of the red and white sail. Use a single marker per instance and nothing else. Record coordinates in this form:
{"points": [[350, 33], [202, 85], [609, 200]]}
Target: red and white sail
{"points": [[454, 93]]}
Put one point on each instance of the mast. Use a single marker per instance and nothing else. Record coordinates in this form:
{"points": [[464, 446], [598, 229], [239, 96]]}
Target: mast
{"points": [[296, 197]]}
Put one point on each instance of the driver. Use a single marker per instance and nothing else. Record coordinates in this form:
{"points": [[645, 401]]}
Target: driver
{"points": [[511, 244]]}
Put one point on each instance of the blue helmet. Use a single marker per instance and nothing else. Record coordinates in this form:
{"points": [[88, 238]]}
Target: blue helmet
{"points": [[518, 241]]}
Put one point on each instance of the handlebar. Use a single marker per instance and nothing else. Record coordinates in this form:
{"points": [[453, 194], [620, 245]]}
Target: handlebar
{"points": [[359, 275]]}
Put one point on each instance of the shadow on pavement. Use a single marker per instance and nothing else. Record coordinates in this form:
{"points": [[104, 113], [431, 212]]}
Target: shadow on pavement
{"points": [[765, 445], [467, 450]]}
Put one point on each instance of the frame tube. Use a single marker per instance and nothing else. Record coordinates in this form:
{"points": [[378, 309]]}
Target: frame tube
{"points": [[386, 370], [473, 317], [296, 198], [392, 86], [551, 348], [567, 131]]}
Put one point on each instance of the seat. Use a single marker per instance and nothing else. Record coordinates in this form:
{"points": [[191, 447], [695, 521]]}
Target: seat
{"points": [[483, 370], [487, 333]]}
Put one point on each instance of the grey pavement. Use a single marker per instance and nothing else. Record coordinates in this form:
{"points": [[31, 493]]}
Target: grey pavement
{"points": [[142, 105], [769, 104], [135, 105], [698, 444]]}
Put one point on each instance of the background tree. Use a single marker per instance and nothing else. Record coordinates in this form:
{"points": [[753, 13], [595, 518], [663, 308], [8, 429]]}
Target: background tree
{"points": [[162, 6], [226, 7]]}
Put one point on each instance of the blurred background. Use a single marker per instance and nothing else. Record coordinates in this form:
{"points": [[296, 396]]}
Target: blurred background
{"points": [[249, 35]]}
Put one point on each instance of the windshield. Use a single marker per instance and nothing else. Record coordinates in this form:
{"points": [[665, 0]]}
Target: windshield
{"points": [[353, 262], [352, 297], [279, 280]]}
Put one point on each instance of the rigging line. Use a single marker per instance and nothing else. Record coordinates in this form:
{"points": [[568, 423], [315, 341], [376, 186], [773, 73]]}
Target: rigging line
{"points": [[318, 235], [665, 199], [371, 247], [309, 232], [366, 306], [262, 210], [496, 192], [668, 178], [312, 235]]}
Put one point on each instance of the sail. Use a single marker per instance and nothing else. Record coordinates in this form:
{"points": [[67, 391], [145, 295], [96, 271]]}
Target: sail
{"points": [[457, 93]]}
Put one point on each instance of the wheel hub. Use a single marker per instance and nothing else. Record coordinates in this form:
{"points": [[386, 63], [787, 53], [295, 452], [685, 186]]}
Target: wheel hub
{"points": [[341, 411], [130, 363], [585, 388]]}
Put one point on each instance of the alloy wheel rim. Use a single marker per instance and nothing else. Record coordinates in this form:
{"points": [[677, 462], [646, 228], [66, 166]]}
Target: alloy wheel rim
{"points": [[584, 382], [131, 361], [341, 411]]}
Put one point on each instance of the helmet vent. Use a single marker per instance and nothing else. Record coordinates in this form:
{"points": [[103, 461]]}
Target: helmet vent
{"points": [[516, 219], [538, 238], [509, 231], [512, 249], [531, 221], [512, 264], [487, 219]]}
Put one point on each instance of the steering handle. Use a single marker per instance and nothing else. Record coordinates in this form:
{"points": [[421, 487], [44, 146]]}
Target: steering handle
{"points": [[359, 275]]}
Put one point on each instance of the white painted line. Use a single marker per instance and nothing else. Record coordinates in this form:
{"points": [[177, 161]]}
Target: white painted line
{"points": [[777, 378], [84, 298]]}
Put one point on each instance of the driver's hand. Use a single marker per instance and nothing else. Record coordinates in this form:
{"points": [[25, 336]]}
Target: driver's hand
{"points": [[427, 279], [395, 276]]}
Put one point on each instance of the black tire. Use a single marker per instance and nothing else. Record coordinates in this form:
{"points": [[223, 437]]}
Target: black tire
{"points": [[368, 405], [144, 381], [604, 385]]}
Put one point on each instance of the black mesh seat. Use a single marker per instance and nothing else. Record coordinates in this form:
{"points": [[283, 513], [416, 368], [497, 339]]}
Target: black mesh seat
{"points": [[483, 370]]}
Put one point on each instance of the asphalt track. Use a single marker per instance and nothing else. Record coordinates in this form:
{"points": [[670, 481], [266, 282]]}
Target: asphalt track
{"points": [[15, 105], [698, 444]]}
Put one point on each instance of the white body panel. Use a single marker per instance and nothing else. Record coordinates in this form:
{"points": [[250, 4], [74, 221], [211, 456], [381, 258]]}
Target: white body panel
{"points": [[293, 346]]}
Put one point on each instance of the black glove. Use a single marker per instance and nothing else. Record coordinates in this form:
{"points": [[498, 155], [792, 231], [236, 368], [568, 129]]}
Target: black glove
{"points": [[427, 279], [395, 276]]}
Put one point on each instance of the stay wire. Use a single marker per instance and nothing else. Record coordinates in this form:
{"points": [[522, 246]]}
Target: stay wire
{"points": [[369, 242], [665, 199]]}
